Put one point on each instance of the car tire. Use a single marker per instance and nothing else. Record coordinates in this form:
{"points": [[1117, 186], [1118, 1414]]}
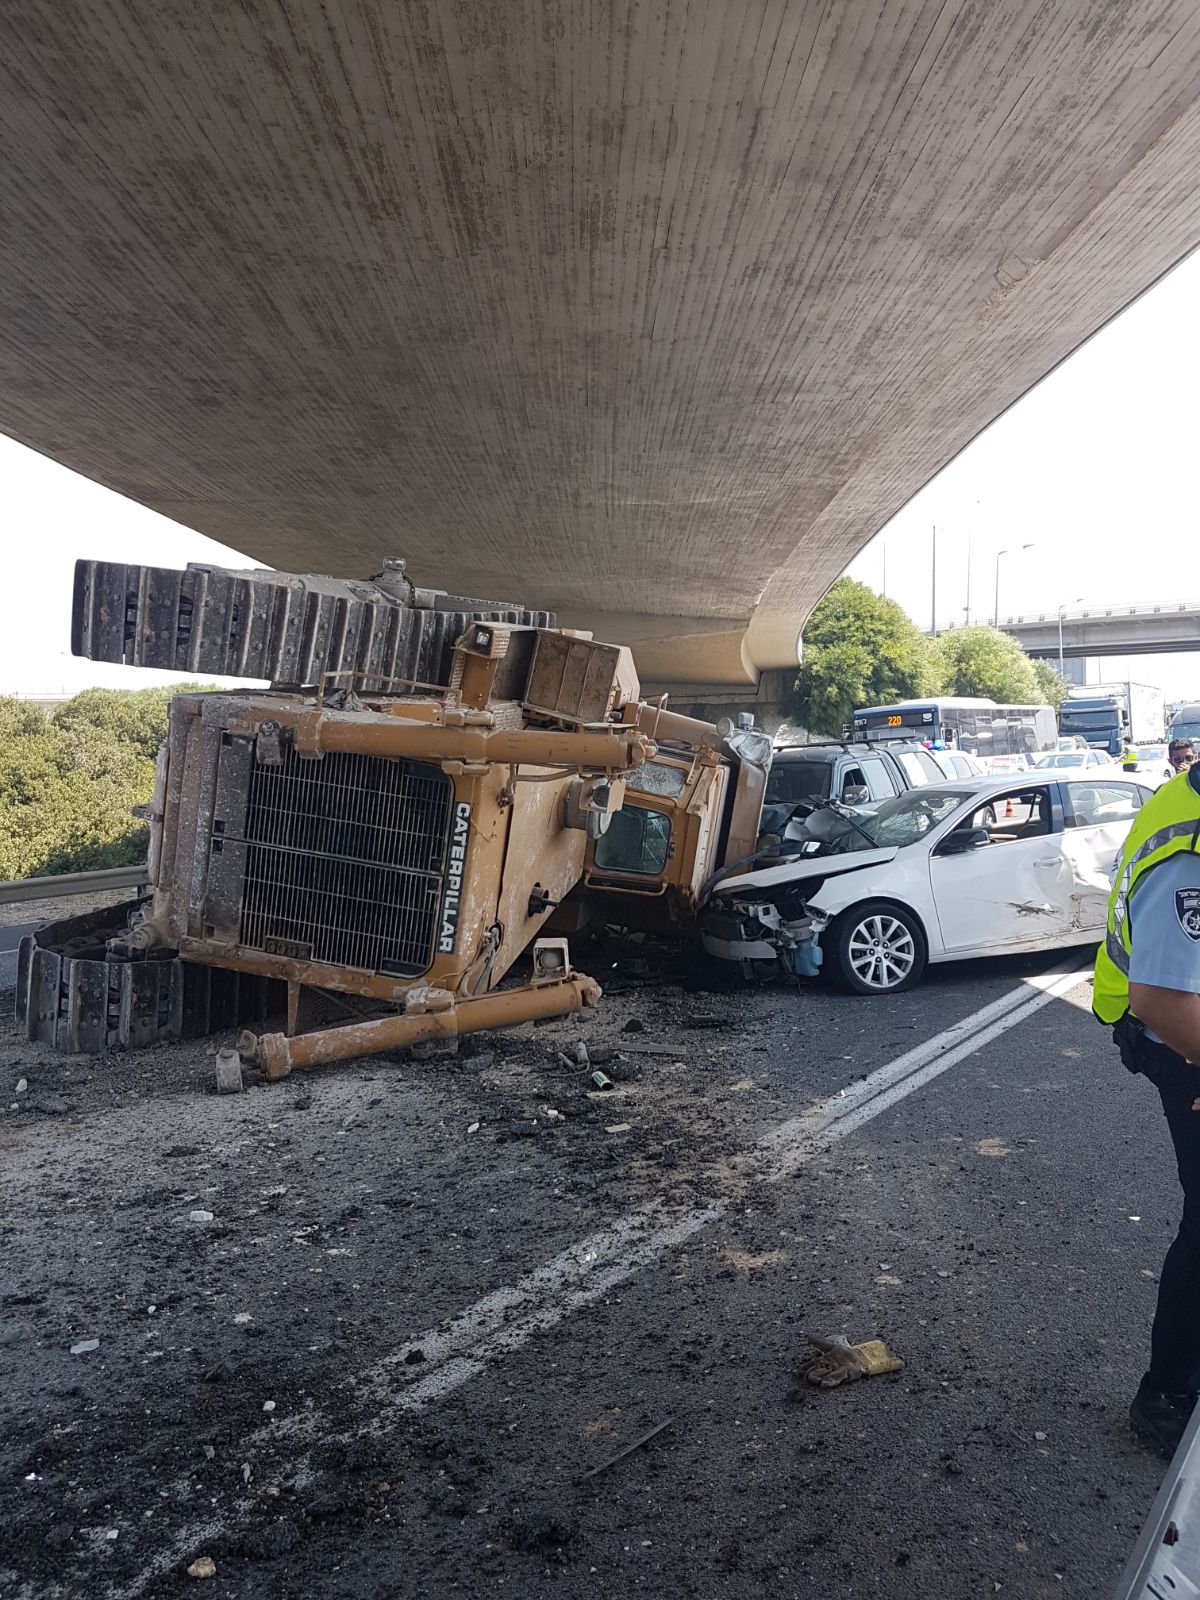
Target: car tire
{"points": [[877, 948]]}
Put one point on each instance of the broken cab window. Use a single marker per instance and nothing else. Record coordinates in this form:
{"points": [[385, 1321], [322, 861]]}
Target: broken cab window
{"points": [[655, 777], [637, 840]]}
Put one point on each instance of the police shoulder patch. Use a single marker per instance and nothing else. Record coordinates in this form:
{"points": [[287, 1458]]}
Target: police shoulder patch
{"points": [[1187, 909]]}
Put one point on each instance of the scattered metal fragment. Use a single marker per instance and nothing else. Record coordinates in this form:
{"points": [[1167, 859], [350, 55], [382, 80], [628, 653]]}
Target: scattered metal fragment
{"points": [[601, 1080], [629, 1449]]}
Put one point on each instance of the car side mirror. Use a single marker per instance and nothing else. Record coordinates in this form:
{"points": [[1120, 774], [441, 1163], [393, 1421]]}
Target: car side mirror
{"points": [[855, 794], [964, 839]]}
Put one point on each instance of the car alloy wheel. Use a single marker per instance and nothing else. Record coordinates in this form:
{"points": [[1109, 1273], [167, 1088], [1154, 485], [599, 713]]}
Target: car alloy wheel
{"points": [[881, 951]]}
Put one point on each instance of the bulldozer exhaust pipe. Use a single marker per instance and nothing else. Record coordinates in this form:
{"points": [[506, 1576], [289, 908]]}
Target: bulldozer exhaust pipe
{"points": [[276, 1055]]}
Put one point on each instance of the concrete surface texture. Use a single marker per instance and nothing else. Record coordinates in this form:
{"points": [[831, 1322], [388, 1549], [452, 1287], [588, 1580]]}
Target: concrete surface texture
{"points": [[649, 312]]}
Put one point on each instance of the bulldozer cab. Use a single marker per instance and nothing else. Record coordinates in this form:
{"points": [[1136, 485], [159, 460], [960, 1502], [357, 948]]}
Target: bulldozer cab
{"points": [[689, 811]]}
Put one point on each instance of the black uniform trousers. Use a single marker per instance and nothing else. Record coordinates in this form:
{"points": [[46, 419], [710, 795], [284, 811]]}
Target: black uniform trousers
{"points": [[1175, 1339]]}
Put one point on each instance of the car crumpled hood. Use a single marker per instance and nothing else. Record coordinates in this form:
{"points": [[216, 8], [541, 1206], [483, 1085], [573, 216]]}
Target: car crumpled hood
{"points": [[797, 869]]}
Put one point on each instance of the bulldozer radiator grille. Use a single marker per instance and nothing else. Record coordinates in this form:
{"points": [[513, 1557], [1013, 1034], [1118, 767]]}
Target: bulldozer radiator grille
{"points": [[344, 861]]}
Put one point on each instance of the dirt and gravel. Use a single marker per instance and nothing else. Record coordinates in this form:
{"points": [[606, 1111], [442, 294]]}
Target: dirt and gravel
{"points": [[271, 1280]]}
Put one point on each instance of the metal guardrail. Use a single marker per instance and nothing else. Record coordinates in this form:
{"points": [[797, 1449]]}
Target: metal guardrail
{"points": [[13, 890]]}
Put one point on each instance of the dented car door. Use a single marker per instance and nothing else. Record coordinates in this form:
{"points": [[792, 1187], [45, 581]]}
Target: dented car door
{"points": [[1097, 814], [1013, 891]]}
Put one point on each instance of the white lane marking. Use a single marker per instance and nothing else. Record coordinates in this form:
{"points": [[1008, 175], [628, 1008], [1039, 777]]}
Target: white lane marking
{"points": [[463, 1347]]}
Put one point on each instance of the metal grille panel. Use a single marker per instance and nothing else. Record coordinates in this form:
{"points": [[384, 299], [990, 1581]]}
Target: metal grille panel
{"points": [[345, 859]]}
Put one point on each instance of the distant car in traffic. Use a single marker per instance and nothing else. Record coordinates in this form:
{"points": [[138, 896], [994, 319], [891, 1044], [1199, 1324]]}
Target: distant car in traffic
{"points": [[1065, 760], [1151, 766], [998, 765], [978, 867], [958, 764], [855, 774]]}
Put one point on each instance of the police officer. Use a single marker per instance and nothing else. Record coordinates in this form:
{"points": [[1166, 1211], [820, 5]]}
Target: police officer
{"points": [[1148, 991]]}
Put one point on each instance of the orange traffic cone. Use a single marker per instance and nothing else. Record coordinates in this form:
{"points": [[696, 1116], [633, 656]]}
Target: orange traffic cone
{"points": [[1008, 809]]}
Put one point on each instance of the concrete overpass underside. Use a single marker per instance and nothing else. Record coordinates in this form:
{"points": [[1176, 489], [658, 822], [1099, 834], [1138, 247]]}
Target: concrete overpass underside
{"points": [[652, 311]]}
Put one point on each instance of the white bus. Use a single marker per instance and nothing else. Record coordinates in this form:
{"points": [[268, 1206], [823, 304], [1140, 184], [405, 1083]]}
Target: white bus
{"points": [[980, 727]]}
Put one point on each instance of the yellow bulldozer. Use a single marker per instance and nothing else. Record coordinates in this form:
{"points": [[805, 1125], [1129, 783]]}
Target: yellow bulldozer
{"points": [[430, 785]]}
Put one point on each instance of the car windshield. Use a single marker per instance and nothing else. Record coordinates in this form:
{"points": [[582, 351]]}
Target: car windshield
{"points": [[790, 781], [897, 823], [1066, 758], [1152, 752]]}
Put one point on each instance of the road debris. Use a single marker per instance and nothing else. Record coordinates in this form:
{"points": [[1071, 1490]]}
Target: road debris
{"points": [[84, 1347], [22, 1086], [200, 1216], [600, 1080], [619, 1127], [645, 1438], [228, 1072], [202, 1567], [837, 1361], [992, 1147]]}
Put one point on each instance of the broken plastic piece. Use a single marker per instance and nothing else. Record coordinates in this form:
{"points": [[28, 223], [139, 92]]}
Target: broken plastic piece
{"points": [[836, 1361]]}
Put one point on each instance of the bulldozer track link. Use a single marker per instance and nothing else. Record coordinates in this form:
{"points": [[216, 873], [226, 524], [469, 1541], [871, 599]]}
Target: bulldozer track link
{"points": [[278, 626], [75, 997]]}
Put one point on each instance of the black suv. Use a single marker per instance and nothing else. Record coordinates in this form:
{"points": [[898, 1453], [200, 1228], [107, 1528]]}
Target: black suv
{"points": [[857, 774]]}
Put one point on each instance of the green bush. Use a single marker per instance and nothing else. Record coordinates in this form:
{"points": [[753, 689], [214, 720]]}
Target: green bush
{"points": [[68, 783]]}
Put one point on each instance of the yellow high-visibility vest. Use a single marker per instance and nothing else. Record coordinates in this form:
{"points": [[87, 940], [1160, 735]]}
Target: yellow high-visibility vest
{"points": [[1168, 823]]}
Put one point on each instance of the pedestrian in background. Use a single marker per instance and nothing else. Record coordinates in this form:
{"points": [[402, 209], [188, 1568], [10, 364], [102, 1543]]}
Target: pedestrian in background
{"points": [[1181, 753]]}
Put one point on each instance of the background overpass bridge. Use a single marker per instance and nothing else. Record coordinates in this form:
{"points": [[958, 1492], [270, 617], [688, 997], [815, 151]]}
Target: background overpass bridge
{"points": [[1109, 630], [651, 312]]}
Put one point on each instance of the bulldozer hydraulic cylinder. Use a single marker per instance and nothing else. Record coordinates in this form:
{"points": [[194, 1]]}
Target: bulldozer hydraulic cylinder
{"points": [[277, 1055], [618, 751]]}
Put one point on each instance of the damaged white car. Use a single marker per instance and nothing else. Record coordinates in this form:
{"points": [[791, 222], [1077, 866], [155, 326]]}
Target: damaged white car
{"points": [[990, 866]]}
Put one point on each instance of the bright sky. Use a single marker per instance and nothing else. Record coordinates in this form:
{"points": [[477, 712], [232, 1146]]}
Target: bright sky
{"points": [[54, 517], [1096, 469]]}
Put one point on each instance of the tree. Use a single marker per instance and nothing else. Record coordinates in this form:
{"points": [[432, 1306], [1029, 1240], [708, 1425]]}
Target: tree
{"points": [[136, 718], [859, 650], [1051, 687], [982, 661], [68, 783]]}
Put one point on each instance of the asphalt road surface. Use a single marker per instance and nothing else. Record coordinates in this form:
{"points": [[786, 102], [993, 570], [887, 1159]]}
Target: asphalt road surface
{"points": [[427, 1316]]}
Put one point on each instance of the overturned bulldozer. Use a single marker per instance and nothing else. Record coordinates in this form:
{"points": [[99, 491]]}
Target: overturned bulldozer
{"points": [[427, 782]]}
